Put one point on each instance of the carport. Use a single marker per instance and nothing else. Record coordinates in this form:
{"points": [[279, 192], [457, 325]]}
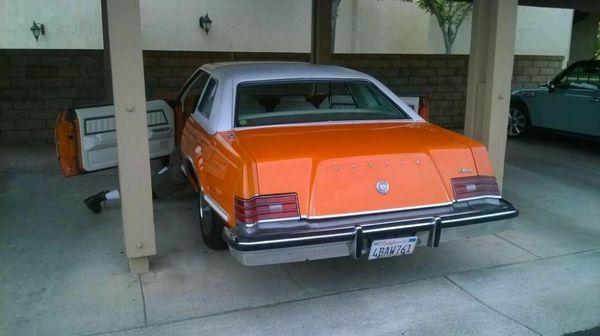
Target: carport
{"points": [[488, 93], [63, 269]]}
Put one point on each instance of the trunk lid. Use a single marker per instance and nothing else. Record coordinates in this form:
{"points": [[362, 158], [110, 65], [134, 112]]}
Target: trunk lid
{"points": [[349, 169]]}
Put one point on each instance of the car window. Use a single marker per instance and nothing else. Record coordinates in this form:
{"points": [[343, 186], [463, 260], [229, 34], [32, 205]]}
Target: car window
{"points": [[205, 104], [583, 77], [191, 97], [301, 101]]}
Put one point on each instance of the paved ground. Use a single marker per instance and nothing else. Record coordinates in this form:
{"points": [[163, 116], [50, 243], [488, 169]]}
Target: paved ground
{"points": [[62, 269]]}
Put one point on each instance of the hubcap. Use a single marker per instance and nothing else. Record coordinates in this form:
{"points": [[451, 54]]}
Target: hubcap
{"points": [[516, 122]]}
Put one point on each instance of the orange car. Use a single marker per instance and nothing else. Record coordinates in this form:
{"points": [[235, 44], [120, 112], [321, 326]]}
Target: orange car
{"points": [[294, 161]]}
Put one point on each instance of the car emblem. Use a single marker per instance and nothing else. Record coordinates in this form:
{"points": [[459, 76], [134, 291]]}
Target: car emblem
{"points": [[382, 187]]}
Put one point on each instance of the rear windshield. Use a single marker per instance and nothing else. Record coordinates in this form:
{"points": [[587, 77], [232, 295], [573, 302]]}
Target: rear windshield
{"points": [[302, 101]]}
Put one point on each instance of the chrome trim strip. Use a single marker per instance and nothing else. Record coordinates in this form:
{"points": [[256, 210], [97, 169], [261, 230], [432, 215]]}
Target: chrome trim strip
{"points": [[182, 167], [285, 240], [367, 229], [408, 226], [189, 159], [397, 221], [478, 197], [478, 217], [218, 209], [326, 123], [379, 211], [285, 219]]}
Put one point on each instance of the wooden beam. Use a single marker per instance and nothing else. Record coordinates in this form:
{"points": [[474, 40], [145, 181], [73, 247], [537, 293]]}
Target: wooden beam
{"points": [[127, 69], [490, 75], [584, 5], [321, 49], [106, 54]]}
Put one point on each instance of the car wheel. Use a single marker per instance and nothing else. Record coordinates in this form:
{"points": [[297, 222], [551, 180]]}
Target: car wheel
{"points": [[517, 122], [211, 225]]}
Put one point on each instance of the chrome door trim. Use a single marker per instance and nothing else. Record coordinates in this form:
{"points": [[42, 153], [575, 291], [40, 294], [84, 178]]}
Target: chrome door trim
{"points": [[215, 206]]}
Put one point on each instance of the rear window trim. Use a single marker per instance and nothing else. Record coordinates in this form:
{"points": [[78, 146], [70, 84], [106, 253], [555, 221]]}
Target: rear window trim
{"points": [[406, 116], [205, 92]]}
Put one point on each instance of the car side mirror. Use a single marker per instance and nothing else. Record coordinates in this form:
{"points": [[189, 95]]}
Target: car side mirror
{"points": [[551, 86]]}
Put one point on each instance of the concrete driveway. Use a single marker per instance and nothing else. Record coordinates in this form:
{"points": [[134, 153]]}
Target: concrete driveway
{"points": [[62, 269]]}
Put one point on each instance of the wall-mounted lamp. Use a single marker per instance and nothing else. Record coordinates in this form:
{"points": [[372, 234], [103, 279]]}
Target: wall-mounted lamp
{"points": [[205, 23], [37, 29]]}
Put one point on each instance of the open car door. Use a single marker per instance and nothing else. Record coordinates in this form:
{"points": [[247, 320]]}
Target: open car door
{"points": [[86, 138]]}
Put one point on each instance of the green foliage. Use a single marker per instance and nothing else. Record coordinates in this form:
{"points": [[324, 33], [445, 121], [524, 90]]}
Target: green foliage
{"points": [[598, 43], [449, 14]]}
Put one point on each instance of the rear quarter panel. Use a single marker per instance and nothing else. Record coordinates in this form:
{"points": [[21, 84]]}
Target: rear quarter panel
{"points": [[222, 167]]}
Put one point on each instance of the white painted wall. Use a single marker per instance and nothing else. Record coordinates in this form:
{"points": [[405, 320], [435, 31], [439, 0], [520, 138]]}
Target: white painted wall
{"points": [[244, 25], [364, 26], [70, 24], [540, 31], [383, 26], [544, 31]]}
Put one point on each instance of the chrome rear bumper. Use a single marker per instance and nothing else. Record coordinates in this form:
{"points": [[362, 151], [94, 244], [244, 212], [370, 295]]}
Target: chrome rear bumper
{"points": [[305, 239]]}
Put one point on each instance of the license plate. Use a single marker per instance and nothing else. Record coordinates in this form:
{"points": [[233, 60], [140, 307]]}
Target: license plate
{"points": [[393, 247]]}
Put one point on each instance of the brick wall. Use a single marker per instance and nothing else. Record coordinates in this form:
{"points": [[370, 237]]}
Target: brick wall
{"points": [[36, 84], [166, 71], [444, 78]]}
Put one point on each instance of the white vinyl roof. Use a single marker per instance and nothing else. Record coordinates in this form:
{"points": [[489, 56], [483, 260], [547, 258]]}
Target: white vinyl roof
{"points": [[256, 71], [229, 74]]}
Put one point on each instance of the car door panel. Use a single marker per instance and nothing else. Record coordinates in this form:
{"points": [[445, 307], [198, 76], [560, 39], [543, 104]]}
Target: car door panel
{"points": [[571, 101], [86, 138], [536, 103], [585, 114], [566, 110]]}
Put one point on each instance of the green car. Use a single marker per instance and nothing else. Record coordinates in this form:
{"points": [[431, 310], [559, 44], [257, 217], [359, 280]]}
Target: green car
{"points": [[570, 103]]}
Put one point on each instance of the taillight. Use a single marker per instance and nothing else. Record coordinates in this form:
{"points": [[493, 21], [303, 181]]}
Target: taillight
{"points": [[258, 208], [474, 186]]}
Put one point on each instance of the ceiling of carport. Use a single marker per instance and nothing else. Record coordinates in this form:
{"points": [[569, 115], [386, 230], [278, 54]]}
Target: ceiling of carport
{"points": [[584, 5]]}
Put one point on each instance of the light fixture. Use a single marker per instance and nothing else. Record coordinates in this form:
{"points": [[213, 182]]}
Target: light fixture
{"points": [[205, 23], [37, 29]]}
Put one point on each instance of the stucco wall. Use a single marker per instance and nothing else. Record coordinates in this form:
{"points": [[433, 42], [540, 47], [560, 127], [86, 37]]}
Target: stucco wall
{"points": [[70, 24], [364, 26], [540, 31], [248, 25], [384, 26]]}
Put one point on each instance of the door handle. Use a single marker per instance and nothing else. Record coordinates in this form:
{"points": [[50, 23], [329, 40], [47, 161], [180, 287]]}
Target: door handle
{"points": [[528, 94], [595, 99]]}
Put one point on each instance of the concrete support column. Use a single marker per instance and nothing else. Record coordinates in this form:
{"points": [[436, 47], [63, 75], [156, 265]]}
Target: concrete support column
{"points": [[490, 76], [321, 48], [127, 69]]}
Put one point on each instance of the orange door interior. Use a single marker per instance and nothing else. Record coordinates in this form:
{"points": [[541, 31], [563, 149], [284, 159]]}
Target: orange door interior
{"points": [[67, 143]]}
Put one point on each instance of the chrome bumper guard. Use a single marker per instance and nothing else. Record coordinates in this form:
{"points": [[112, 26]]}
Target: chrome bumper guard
{"points": [[305, 239]]}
